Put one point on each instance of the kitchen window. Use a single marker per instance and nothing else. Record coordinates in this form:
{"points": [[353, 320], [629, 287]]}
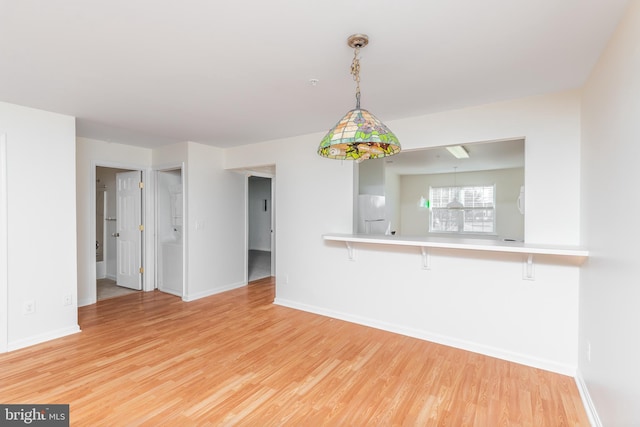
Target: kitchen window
{"points": [[462, 209]]}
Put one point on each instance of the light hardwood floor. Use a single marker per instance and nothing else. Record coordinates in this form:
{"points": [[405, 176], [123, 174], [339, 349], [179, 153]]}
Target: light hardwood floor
{"points": [[237, 359]]}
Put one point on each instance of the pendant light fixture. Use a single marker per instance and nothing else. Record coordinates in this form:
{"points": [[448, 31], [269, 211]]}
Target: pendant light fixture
{"points": [[455, 203], [359, 135]]}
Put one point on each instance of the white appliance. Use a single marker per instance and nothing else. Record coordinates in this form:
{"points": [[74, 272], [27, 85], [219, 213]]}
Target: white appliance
{"points": [[371, 214]]}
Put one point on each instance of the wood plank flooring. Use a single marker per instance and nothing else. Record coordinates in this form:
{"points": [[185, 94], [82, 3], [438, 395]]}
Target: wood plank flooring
{"points": [[236, 359]]}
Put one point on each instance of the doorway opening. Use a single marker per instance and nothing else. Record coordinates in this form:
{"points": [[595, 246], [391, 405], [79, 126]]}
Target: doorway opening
{"points": [[261, 224], [170, 231], [118, 233]]}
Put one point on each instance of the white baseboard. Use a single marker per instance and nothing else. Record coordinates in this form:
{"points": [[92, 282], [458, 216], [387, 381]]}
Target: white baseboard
{"points": [[523, 359], [38, 339], [589, 407], [192, 297]]}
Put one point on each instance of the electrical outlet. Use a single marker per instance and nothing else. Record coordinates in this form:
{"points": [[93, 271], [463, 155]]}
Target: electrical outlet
{"points": [[68, 300], [29, 307]]}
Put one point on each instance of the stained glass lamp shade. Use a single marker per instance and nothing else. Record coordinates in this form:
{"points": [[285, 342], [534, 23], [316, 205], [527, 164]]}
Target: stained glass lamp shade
{"points": [[359, 135]]}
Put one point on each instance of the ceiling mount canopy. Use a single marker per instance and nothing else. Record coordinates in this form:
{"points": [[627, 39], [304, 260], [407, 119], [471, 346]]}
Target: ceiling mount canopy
{"points": [[359, 135]]}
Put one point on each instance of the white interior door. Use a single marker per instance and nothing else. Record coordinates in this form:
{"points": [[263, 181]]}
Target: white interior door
{"points": [[129, 229]]}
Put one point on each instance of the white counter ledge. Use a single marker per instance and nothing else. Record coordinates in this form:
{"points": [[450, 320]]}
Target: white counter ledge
{"points": [[424, 243], [458, 243]]}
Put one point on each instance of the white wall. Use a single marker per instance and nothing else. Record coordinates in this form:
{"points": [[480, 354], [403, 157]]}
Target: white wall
{"points": [[371, 177], [170, 156], [414, 221], [4, 230], [216, 224], [468, 299], [90, 153], [551, 126], [259, 218], [609, 291], [41, 217], [214, 232]]}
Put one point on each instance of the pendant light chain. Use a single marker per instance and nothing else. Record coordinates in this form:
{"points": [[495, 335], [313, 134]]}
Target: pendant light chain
{"points": [[355, 72], [359, 135]]}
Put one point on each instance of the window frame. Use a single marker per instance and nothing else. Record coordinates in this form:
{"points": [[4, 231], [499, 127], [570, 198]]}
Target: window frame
{"points": [[457, 189]]}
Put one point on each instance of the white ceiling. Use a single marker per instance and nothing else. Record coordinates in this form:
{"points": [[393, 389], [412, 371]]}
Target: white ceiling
{"points": [[226, 73]]}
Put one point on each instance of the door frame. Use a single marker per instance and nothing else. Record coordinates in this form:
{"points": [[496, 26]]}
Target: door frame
{"points": [[147, 220], [272, 177], [185, 229]]}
